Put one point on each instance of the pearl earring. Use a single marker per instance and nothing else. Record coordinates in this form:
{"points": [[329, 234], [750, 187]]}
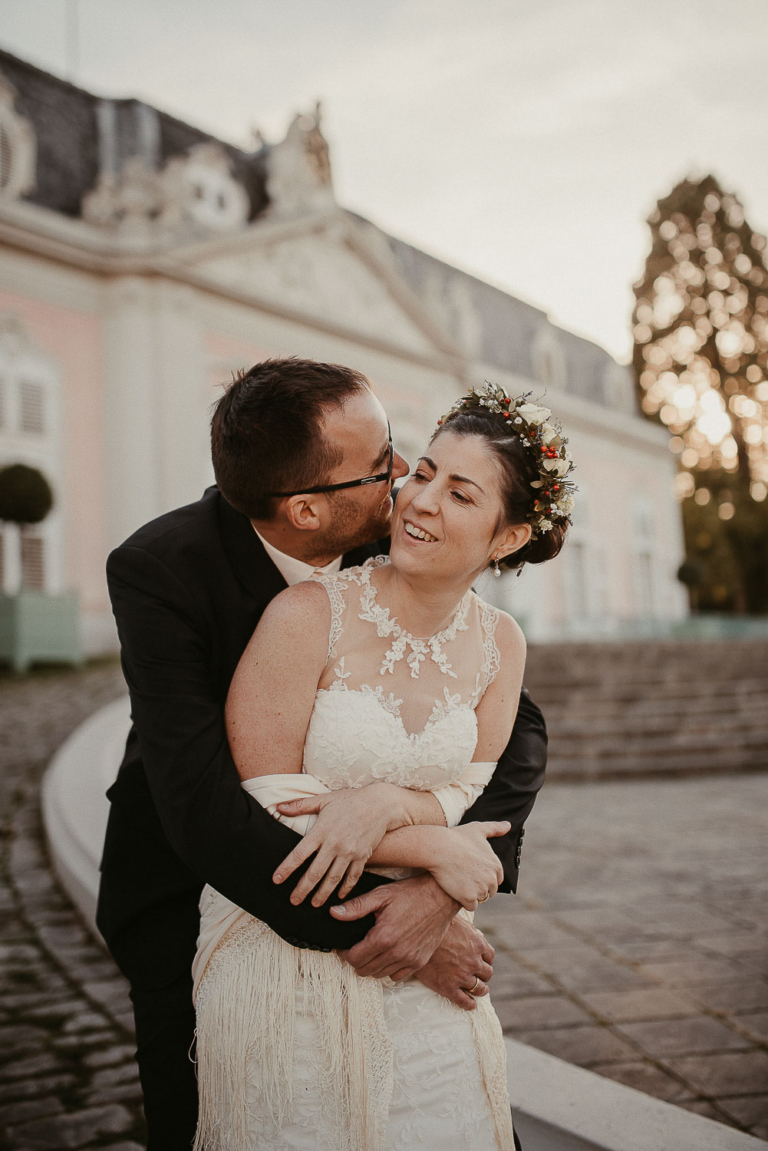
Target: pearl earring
{"points": [[496, 568]]}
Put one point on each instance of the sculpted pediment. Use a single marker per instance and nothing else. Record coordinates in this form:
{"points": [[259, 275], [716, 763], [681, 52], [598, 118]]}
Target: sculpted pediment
{"points": [[321, 276]]}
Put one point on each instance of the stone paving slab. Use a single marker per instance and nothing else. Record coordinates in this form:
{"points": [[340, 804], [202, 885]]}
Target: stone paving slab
{"points": [[637, 944]]}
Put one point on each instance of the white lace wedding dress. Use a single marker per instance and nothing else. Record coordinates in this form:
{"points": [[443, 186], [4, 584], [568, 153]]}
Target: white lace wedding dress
{"points": [[296, 1052]]}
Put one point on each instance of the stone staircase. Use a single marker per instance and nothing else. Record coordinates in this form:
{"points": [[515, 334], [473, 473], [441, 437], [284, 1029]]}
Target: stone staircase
{"points": [[652, 708]]}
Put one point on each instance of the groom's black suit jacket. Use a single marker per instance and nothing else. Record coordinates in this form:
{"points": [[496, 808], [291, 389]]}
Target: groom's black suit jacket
{"points": [[187, 591]]}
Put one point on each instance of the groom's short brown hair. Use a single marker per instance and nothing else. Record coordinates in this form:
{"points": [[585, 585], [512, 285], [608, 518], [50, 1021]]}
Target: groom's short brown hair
{"points": [[267, 430]]}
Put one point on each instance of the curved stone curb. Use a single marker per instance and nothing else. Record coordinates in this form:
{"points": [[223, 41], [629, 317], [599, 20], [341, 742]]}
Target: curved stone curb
{"points": [[560, 1107], [75, 806]]}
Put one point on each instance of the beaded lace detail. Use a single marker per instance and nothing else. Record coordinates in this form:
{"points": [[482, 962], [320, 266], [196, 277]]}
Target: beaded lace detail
{"points": [[362, 729], [386, 625]]}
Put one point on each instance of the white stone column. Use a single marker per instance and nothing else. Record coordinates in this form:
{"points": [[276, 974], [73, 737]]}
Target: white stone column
{"points": [[183, 396], [130, 407]]}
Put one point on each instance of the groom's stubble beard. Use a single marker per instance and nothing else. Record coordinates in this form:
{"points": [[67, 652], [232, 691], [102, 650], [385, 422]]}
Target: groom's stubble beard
{"points": [[348, 530]]}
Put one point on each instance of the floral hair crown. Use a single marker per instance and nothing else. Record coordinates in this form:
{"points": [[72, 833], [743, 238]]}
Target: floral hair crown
{"points": [[553, 501]]}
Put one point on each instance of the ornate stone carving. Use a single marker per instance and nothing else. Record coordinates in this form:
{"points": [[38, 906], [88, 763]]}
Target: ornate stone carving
{"points": [[299, 169], [196, 189], [17, 147], [201, 186]]}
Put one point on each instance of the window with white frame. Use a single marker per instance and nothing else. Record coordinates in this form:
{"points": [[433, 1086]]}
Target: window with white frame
{"points": [[29, 434], [644, 559], [32, 407], [580, 597]]}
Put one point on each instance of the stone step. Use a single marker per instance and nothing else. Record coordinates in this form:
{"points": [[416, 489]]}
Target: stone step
{"points": [[667, 743], [717, 762], [600, 706], [588, 690], [631, 727], [645, 651], [656, 707], [684, 666], [567, 721]]}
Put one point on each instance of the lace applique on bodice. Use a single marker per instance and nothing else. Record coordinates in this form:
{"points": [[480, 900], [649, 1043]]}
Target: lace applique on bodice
{"points": [[423, 733]]}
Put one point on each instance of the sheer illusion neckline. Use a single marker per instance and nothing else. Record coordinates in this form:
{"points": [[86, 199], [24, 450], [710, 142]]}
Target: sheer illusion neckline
{"points": [[391, 706], [420, 647]]}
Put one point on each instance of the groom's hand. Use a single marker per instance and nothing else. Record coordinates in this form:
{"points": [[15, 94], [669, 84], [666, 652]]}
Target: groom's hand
{"points": [[464, 956], [412, 917]]}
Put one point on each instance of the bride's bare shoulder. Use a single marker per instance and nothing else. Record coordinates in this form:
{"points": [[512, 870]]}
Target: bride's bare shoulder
{"points": [[304, 607]]}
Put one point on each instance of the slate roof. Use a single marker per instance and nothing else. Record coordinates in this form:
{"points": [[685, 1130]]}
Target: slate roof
{"points": [[509, 326], [67, 128]]}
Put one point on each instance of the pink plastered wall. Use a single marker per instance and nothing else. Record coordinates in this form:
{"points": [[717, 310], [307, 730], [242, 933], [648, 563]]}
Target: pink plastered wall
{"points": [[226, 349], [73, 341]]}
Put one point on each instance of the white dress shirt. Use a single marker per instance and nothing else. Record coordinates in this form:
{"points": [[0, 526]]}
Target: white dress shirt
{"points": [[293, 570]]}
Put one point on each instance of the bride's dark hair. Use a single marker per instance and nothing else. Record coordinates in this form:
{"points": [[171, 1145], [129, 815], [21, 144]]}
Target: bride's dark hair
{"points": [[518, 470]]}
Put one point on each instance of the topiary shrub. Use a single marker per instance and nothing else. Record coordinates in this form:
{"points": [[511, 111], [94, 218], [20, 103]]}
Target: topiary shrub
{"points": [[25, 495]]}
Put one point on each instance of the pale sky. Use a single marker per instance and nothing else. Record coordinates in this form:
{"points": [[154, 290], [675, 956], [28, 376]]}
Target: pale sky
{"points": [[525, 141]]}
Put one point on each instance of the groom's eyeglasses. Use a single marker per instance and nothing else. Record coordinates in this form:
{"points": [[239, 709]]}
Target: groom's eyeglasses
{"points": [[380, 478]]}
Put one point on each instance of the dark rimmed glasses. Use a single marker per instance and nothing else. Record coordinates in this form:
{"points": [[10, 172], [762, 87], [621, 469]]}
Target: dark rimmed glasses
{"points": [[380, 478]]}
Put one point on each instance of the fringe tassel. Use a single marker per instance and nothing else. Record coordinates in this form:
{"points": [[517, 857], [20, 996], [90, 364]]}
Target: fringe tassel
{"points": [[492, 1056], [246, 1007]]}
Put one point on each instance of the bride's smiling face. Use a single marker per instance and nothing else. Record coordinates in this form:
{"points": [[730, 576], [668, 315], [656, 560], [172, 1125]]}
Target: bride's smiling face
{"points": [[448, 519]]}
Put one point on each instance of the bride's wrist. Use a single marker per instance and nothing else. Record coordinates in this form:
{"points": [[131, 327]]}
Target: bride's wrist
{"points": [[394, 800]]}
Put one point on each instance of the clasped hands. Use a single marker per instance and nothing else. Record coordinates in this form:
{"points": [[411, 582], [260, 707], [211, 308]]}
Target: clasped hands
{"points": [[417, 928]]}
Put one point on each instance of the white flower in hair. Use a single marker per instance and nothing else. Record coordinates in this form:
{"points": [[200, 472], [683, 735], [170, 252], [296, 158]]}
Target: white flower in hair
{"points": [[558, 467], [548, 433], [566, 504], [534, 413]]}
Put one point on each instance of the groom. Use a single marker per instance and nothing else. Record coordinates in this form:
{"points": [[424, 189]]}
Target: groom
{"points": [[187, 592]]}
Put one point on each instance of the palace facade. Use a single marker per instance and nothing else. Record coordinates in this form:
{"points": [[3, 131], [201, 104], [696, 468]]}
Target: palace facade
{"points": [[143, 261]]}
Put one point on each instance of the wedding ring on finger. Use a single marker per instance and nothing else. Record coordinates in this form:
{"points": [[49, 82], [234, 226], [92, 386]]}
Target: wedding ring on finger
{"points": [[485, 898], [473, 990]]}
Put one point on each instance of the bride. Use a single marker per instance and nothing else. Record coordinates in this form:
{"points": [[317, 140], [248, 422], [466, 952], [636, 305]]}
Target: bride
{"points": [[337, 700]]}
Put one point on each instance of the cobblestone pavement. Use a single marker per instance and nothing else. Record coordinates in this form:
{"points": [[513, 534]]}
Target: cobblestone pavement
{"points": [[636, 946], [67, 1074], [638, 943]]}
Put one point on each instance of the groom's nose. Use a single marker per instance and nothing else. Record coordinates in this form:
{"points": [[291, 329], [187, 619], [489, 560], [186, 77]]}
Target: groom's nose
{"points": [[399, 467]]}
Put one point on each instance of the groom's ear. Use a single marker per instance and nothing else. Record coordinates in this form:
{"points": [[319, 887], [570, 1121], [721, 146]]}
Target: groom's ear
{"points": [[302, 513]]}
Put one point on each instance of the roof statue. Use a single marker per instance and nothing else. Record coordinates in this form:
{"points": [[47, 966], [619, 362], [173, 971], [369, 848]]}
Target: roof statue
{"points": [[299, 168]]}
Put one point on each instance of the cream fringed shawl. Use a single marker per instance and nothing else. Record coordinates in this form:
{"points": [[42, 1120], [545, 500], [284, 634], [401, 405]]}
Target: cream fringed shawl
{"points": [[246, 980], [248, 1014]]}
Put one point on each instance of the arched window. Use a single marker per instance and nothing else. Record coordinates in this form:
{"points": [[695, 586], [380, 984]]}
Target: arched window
{"points": [[29, 434], [17, 147]]}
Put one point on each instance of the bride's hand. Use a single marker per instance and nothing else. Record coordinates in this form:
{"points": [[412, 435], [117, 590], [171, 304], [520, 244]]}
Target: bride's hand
{"points": [[468, 869], [350, 825]]}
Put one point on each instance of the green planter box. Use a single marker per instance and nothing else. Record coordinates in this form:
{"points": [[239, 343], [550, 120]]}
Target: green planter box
{"points": [[39, 627]]}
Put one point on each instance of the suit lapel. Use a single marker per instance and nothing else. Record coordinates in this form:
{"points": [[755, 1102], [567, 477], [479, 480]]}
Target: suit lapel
{"points": [[247, 556]]}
